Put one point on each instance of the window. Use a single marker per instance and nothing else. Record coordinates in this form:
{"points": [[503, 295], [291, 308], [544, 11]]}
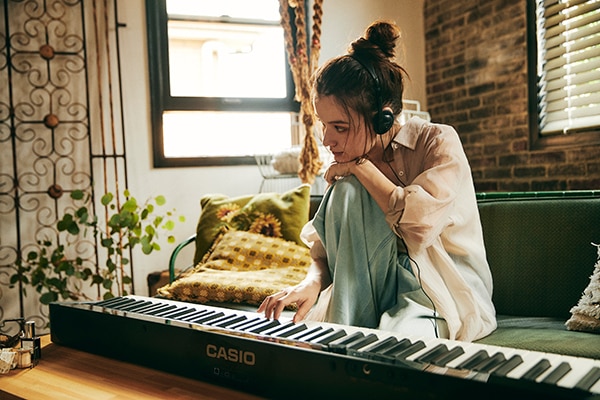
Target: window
{"points": [[221, 88], [565, 85]]}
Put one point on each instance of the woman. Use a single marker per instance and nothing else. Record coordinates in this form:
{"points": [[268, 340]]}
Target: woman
{"points": [[397, 242]]}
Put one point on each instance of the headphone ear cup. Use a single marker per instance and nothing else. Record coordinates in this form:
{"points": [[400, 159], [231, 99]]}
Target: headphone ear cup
{"points": [[383, 121]]}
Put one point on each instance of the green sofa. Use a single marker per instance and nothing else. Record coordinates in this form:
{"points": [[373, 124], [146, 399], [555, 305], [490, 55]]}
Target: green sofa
{"points": [[539, 247], [540, 251]]}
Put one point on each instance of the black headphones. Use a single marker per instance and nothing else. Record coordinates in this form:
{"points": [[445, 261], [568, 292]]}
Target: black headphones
{"points": [[384, 119]]}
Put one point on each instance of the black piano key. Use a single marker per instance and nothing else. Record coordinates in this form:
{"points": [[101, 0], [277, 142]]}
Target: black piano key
{"points": [[157, 311], [225, 318], [475, 359], [262, 323], [347, 339], [289, 332], [194, 315], [433, 353], [135, 306], [335, 335], [149, 308], [279, 328], [205, 318], [350, 342], [233, 321], [491, 363], [176, 312], [182, 313], [445, 358], [381, 345], [397, 348], [410, 350], [362, 342], [508, 365], [257, 325], [589, 379], [305, 334], [264, 327], [163, 311], [389, 354], [557, 373], [319, 333], [251, 322], [539, 368], [114, 302]]}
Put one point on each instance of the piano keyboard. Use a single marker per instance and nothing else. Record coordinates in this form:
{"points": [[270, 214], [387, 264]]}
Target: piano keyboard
{"points": [[233, 347]]}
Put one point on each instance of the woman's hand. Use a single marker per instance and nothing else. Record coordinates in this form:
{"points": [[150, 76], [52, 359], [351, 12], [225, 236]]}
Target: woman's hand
{"points": [[337, 171], [304, 294]]}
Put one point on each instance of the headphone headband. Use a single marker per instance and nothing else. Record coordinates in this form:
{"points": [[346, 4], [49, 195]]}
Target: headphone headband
{"points": [[384, 119]]}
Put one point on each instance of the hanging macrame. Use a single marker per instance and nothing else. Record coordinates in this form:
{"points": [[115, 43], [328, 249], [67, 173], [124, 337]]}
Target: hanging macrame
{"points": [[303, 68]]}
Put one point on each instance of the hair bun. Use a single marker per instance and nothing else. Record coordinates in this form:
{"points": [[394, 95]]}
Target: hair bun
{"points": [[380, 35]]}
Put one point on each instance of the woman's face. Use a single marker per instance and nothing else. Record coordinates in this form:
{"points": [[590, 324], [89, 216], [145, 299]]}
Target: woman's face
{"points": [[345, 134]]}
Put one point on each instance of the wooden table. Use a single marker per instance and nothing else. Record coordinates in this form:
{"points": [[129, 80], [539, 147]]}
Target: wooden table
{"points": [[65, 373]]}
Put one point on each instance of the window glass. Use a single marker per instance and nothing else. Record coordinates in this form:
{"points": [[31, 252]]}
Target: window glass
{"points": [[221, 88], [215, 59], [568, 65], [225, 134]]}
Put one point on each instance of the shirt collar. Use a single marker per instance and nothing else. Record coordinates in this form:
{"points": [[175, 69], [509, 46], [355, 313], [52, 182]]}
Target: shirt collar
{"points": [[409, 133]]}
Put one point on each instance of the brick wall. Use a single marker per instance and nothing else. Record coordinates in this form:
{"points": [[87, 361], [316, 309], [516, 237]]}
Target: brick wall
{"points": [[476, 57]]}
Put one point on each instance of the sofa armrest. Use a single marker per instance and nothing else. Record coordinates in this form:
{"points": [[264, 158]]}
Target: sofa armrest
{"points": [[175, 253]]}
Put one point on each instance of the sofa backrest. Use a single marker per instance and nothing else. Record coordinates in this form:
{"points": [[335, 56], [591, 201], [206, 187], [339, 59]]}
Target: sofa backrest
{"points": [[539, 247]]}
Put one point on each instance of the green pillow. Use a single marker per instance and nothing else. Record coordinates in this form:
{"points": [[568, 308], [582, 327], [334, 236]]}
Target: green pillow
{"points": [[271, 214]]}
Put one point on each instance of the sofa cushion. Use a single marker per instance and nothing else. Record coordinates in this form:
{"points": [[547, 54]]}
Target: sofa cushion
{"points": [[543, 334], [289, 211]]}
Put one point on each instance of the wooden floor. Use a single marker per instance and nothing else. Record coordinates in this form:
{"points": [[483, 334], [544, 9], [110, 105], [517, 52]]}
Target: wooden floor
{"points": [[64, 373]]}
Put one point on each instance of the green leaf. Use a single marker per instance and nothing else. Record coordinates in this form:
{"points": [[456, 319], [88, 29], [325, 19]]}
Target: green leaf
{"points": [[77, 194], [150, 231], [83, 214], [127, 280], [160, 200], [48, 297], [171, 239], [106, 199], [130, 205], [181, 218], [111, 265], [146, 245], [108, 295], [169, 225], [107, 284]]}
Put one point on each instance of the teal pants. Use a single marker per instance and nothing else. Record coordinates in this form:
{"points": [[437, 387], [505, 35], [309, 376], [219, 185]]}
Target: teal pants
{"points": [[373, 281]]}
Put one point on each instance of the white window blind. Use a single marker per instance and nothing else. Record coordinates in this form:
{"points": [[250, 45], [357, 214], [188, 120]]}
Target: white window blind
{"points": [[568, 36]]}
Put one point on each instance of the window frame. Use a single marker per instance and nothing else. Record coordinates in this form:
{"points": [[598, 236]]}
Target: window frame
{"points": [[161, 99], [580, 137]]}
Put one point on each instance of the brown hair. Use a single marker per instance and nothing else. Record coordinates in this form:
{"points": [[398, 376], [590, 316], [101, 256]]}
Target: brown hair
{"points": [[353, 86]]}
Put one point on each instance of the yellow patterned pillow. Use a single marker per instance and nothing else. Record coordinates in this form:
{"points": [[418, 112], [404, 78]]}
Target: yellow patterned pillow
{"points": [[272, 214], [241, 267]]}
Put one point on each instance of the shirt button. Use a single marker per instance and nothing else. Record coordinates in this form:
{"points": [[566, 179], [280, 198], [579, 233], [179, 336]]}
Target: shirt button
{"points": [[394, 145], [401, 173]]}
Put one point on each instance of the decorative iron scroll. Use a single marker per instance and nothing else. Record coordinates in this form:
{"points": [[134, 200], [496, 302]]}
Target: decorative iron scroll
{"points": [[60, 128]]}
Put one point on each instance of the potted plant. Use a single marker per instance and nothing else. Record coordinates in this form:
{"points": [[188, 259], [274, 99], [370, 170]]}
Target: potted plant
{"points": [[56, 272]]}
